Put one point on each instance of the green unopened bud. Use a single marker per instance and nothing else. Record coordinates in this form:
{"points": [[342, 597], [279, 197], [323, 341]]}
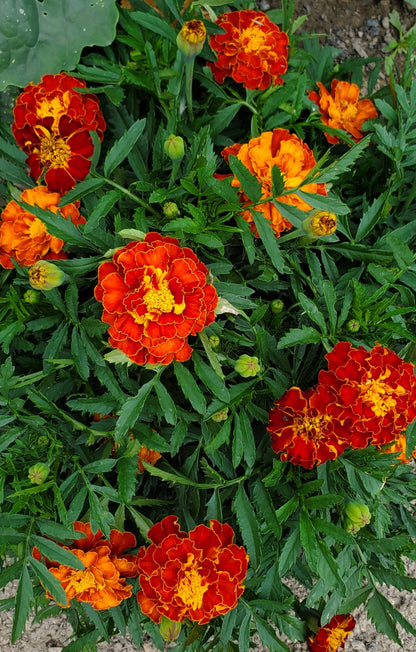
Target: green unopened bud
{"points": [[247, 366], [353, 325], [170, 209], [214, 340], [44, 275], [31, 296], [222, 415], [38, 473], [169, 629], [42, 440], [174, 147], [357, 514], [277, 306], [191, 38], [350, 527], [320, 223]]}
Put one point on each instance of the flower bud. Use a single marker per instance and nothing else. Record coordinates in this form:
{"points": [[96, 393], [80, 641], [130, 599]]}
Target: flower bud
{"points": [[214, 341], [247, 366], [174, 147], [170, 209], [38, 473], [222, 415], [44, 275], [353, 325], [277, 306], [191, 38], [320, 223], [32, 297], [42, 440], [358, 515], [169, 629]]}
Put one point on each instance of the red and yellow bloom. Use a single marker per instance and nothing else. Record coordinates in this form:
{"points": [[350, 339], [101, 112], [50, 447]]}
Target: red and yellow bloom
{"points": [[253, 50], [376, 392], [197, 575], [332, 637], [342, 109], [102, 581], [294, 159], [155, 294], [302, 429], [24, 237]]}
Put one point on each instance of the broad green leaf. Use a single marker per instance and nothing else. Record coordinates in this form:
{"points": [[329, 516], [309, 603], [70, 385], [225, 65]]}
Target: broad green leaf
{"points": [[122, 148], [308, 539], [49, 581], [323, 202], [330, 297], [155, 24], [210, 379], [312, 311], [23, 600], [37, 38], [100, 466], [79, 355], [190, 388], [268, 237], [14, 174], [166, 402], [370, 218], [295, 336], [52, 551], [127, 477], [249, 183], [249, 526], [102, 207], [222, 437]]}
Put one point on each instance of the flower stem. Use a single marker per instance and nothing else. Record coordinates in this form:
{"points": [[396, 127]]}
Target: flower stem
{"points": [[189, 72]]}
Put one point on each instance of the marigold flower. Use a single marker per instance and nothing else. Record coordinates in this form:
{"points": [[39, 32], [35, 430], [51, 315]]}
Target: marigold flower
{"points": [[102, 582], [155, 294], [252, 50], [191, 38], [147, 455], [197, 575], [399, 446], [24, 237], [375, 390], [51, 99], [341, 108], [320, 223], [302, 429], [331, 637], [64, 156], [294, 159], [44, 275]]}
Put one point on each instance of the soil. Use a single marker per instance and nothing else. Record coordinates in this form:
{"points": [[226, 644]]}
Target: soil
{"points": [[358, 28]]}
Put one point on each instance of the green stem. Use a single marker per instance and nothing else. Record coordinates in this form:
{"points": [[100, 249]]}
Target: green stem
{"points": [[189, 72], [129, 194]]}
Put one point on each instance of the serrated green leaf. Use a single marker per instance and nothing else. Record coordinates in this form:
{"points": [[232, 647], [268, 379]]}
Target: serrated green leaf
{"points": [[278, 184], [266, 508], [101, 209], [244, 432], [34, 43], [268, 635], [49, 581], [79, 355], [312, 311], [295, 336], [54, 552], [122, 148], [210, 379], [189, 387], [248, 524], [100, 466], [268, 238], [82, 189], [131, 410], [249, 183], [23, 602], [381, 612], [308, 539], [222, 437], [155, 24], [370, 218], [127, 477], [59, 226], [166, 402]]}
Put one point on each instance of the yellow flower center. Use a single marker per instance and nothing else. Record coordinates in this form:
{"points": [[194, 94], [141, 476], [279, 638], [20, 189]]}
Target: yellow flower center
{"points": [[159, 299], [192, 586], [311, 427], [252, 39], [194, 31], [54, 152], [335, 639], [37, 229], [381, 396], [323, 223], [83, 580], [53, 108]]}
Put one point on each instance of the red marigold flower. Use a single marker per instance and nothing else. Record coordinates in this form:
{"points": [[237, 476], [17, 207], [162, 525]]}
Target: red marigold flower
{"points": [[302, 429], [24, 237], [294, 159], [197, 575], [101, 582], [51, 99], [253, 50], [376, 392], [155, 294], [331, 637], [341, 108], [64, 155]]}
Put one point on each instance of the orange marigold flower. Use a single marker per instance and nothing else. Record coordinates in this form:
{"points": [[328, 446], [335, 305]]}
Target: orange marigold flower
{"points": [[252, 50], [341, 108], [155, 294], [191, 38], [197, 575], [376, 392], [24, 237], [102, 581], [331, 637], [294, 159], [147, 455], [63, 156], [51, 99], [399, 446], [302, 429]]}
